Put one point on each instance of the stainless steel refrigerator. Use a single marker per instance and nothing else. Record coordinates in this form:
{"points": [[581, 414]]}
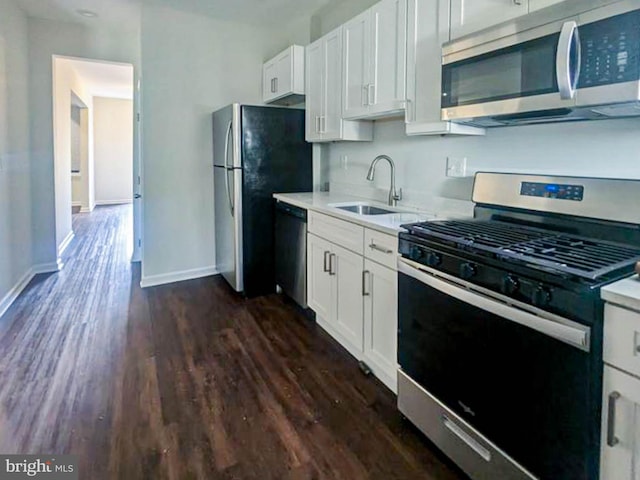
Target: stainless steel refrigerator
{"points": [[257, 151]]}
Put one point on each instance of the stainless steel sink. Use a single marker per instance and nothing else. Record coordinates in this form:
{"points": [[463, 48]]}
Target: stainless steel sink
{"points": [[365, 209]]}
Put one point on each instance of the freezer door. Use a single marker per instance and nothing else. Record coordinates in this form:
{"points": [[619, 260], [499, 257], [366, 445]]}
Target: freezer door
{"points": [[228, 195]]}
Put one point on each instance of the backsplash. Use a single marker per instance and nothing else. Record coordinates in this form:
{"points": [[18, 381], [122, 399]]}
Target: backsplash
{"points": [[609, 148]]}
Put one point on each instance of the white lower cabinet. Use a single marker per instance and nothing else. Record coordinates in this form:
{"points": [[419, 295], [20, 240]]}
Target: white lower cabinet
{"points": [[381, 322], [620, 458], [620, 426], [319, 282], [353, 296]]}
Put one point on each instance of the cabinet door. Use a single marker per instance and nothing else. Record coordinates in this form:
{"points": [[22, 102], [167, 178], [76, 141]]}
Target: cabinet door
{"points": [[471, 15], [331, 122], [319, 281], [284, 73], [428, 29], [381, 322], [314, 85], [387, 89], [347, 272], [357, 43], [621, 420], [269, 74], [538, 4]]}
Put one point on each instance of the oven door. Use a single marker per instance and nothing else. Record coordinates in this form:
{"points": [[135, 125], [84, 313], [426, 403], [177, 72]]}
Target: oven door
{"points": [[527, 382], [532, 72]]}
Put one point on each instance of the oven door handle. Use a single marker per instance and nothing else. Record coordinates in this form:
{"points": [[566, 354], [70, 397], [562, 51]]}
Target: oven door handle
{"points": [[574, 334]]}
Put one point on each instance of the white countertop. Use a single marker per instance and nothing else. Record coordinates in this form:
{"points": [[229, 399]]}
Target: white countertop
{"points": [[326, 202], [625, 293]]}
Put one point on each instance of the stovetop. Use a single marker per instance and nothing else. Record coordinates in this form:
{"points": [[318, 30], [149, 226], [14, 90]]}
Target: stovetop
{"points": [[548, 250]]}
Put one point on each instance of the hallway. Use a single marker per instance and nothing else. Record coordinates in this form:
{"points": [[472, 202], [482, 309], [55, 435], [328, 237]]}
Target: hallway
{"points": [[188, 380]]}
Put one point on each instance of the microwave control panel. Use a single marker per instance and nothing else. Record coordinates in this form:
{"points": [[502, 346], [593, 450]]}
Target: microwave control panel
{"points": [[610, 51], [552, 190]]}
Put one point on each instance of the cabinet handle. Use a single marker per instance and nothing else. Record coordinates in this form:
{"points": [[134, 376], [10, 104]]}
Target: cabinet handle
{"points": [[317, 124], [272, 86], [517, 2], [323, 124], [365, 274], [275, 85], [327, 267], [332, 257], [371, 93], [365, 95], [380, 249], [612, 440]]}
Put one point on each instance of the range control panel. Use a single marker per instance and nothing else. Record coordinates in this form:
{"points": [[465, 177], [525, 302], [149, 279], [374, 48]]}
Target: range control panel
{"points": [[610, 51], [552, 190]]}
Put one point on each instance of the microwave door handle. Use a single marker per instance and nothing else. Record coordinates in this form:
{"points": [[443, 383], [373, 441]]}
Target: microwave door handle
{"points": [[568, 79]]}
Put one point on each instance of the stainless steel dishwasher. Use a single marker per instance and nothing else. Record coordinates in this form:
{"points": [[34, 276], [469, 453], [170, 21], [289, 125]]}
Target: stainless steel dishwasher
{"points": [[291, 251]]}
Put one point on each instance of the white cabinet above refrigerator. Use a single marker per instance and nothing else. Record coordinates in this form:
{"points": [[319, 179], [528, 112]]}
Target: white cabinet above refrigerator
{"points": [[283, 77]]}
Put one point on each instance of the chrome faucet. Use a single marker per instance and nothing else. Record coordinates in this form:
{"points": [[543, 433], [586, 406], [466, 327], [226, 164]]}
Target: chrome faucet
{"points": [[394, 196]]}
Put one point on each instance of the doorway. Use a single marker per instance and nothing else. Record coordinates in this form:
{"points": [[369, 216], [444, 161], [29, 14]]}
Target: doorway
{"points": [[96, 139]]}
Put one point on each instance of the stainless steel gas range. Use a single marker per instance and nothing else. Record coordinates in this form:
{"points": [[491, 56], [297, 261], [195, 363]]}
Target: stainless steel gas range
{"points": [[501, 323]]}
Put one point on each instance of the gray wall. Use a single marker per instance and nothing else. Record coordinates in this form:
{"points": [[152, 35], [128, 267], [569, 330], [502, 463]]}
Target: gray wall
{"points": [[15, 189]]}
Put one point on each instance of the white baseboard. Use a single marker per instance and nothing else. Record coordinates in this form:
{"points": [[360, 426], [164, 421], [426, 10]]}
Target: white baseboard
{"points": [[48, 267], [155, 280], [76, 204], [86, 210], [65, 243], [114, 202], [17, 289]]}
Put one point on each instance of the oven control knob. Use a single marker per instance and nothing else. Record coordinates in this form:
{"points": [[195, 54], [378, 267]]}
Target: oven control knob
{"points": [[434, 259], [415, 253], [468, 270], [510, 285], [541, 296]]}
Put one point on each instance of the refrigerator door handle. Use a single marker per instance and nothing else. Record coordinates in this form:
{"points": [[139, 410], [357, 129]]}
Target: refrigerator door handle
{"points": [[226, 145], [227, 168]]}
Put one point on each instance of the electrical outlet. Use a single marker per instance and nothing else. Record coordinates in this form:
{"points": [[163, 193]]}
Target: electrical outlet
{"points": [[456, 166], [344, 162]]}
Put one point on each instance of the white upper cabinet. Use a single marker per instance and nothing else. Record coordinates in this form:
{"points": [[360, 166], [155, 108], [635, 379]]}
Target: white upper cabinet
{"points": [[356, 36], [538, 4], [470, 15], [283, 77], [428, 29], [375, 61], [324, 86], [314, 87]]}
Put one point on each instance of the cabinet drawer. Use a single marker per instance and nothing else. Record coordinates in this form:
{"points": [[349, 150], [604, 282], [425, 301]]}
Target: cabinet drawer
{"points": [[344, 234], [622, 338], [381, 248]]}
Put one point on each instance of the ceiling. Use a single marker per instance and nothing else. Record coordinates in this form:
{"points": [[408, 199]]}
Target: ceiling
{"points": [[105, 79], [127, 12]]}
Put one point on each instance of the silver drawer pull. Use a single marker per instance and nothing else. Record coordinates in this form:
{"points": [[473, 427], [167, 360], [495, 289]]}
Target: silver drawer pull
{"points": [[612, 440], [471, 442], [380, 249], [327, 267]]}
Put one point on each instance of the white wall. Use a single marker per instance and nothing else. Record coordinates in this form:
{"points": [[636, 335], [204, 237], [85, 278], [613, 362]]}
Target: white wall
{"points": [[192, 66], [15, 190], [607, 148], [113, 150], [66, 83], [47, 38]]}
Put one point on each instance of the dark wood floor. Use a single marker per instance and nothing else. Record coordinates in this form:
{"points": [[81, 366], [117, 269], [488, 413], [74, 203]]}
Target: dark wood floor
{"points": [[188, 380]]}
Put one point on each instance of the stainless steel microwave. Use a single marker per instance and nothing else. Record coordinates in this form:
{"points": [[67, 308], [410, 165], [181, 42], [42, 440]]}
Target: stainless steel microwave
{"points": [[576, 60]]}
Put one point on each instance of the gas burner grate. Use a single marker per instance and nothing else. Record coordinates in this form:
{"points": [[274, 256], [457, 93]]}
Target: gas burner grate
{"points": [[583, 257]]}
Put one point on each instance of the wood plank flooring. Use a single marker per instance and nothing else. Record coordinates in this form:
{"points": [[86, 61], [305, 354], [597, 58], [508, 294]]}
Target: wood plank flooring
{"points": [[188, 381]]}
